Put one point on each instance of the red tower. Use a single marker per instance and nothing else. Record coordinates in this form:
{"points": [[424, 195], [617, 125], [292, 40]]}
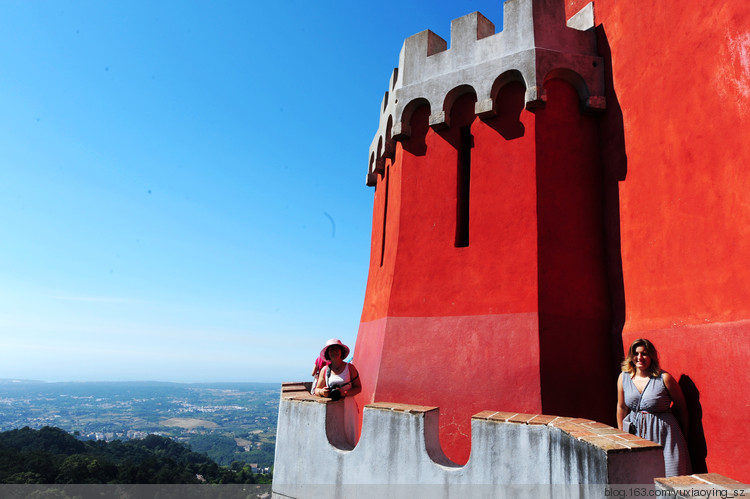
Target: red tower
{"points": [[490, 280], [510, 232]]}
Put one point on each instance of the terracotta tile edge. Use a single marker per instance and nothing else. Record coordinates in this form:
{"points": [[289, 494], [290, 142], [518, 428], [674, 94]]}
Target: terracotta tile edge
{"points": [[398, 407]]}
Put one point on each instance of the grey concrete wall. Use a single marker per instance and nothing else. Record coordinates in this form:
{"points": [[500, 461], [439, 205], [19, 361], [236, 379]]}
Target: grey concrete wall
{"points": [[399, 454]]}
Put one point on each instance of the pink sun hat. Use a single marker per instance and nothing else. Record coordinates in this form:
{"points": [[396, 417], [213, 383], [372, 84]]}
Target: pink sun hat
{"points": [[334, 341]]}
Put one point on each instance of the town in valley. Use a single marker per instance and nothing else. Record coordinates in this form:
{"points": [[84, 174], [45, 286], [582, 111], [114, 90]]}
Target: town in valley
{"points": [[230, 422]]}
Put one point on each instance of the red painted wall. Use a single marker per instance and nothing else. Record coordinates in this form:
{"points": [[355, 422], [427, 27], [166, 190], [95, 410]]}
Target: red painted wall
{"points": [[478, 327], [681, 73], [586, 232]]}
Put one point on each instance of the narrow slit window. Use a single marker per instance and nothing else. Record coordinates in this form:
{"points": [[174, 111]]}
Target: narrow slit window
{"points": [[463, 187], [385, 214]]}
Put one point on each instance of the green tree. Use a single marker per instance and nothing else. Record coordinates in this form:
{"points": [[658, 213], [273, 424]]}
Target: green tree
{"points": [[24, 477]]}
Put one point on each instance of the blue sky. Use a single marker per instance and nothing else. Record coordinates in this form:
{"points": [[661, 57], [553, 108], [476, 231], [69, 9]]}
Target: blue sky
{"points": [[182, 183]]}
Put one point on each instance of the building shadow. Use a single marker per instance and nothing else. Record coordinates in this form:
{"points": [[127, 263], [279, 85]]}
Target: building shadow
{"points": [[509, 105], [696, 439], [615, 164], [419, 124], [580, 161]]}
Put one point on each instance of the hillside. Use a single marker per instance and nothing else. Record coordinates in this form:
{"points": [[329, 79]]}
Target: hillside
{"points": [[52, 456], [230, 422]]}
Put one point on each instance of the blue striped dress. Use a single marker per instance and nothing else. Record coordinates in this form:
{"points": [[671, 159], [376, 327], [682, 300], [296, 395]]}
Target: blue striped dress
{"points": [[654, 421]]}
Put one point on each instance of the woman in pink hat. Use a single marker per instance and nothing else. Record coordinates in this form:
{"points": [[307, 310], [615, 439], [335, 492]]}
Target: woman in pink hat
{"points": [[339, 379]]}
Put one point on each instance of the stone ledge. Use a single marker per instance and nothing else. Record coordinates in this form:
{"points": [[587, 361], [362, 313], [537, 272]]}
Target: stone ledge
{"points": [[397, 407], [605, 437], [300, 391], [716, 479], [293, 385], [308, 398], [683, 486], [600, 435], [541, 419], [292, 389]]}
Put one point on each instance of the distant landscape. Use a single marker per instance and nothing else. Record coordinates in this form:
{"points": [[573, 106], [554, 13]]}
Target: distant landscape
{"points": [[229, 422]]}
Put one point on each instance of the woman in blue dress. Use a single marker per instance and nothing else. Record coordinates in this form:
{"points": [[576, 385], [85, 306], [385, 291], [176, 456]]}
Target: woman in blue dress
{"points": [[650, 404]]}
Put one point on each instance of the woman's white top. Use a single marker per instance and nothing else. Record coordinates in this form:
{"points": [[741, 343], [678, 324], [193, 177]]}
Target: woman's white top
{"points": [[338, 379]]}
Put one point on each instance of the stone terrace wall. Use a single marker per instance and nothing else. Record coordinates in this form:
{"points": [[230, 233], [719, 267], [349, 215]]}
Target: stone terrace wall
{"points": [[701, 485], [399, 448]]}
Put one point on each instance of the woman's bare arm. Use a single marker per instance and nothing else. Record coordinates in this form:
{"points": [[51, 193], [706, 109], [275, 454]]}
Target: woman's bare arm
{"points": [[321, 390]]}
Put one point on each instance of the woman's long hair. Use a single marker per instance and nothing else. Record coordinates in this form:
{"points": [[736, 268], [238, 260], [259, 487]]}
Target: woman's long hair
{"points": [[628, 365]]}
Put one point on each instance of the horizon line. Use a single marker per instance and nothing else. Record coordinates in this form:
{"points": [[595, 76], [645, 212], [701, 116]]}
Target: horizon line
{"points": [[9, 381]]}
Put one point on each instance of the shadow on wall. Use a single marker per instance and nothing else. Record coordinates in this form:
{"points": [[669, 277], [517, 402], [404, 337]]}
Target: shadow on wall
{"points": [[580, 159], [695, 438], [615, 163], [509, 106], [419, 123]]}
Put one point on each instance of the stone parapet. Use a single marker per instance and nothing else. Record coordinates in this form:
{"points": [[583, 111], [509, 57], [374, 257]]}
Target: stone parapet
{"points": [[399, 449]]}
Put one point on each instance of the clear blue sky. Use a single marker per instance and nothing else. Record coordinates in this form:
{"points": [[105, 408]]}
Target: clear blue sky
{"points": [[182, 183]]}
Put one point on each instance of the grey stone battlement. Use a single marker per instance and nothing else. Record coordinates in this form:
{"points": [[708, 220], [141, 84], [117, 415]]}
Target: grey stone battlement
{"points": [[399, 453], [535, 44]]}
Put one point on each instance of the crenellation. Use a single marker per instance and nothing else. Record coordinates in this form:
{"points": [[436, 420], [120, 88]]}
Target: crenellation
{"points": [[535, 44], [414, 53], [399, 445], [466, 30], [583, 20]]}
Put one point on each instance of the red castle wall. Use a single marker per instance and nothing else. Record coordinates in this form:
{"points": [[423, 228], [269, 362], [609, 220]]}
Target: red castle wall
{"points": [[467, 328], [681, 72], [573, 252]]}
